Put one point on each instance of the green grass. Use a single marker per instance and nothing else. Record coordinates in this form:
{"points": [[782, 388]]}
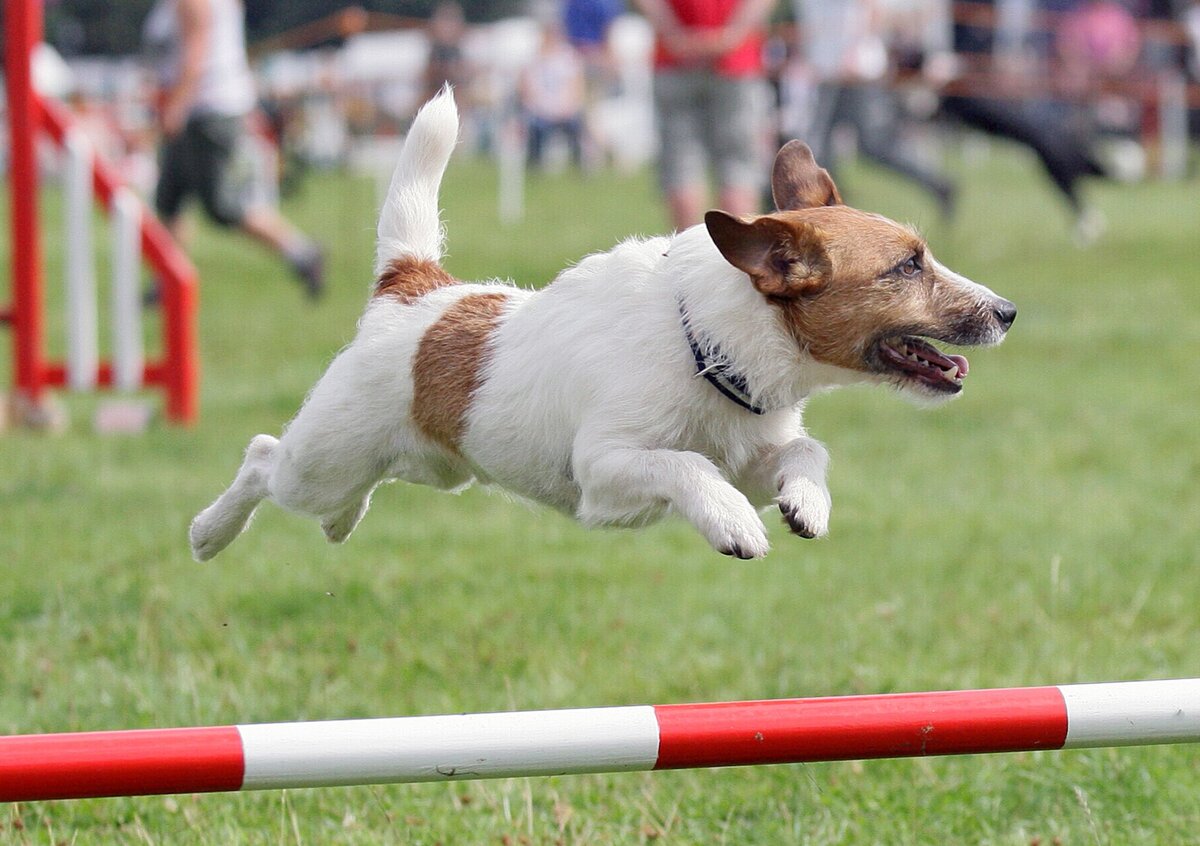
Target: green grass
{"points": [[1041, 529]]}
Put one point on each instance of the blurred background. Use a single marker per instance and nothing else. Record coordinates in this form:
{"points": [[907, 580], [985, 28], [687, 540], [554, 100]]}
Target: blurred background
{"points": [[1117, 81]]}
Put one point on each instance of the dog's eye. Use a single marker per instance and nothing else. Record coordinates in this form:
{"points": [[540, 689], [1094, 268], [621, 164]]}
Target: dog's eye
{"points": [[910, 267]]}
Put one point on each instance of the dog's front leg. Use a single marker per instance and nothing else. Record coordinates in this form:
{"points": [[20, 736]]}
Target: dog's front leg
{"points": [[624, 486], [793, 475]]}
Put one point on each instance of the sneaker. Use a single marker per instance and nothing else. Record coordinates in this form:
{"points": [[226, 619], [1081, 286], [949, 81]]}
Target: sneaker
{"points": [[310, 271], [1090, 225]]}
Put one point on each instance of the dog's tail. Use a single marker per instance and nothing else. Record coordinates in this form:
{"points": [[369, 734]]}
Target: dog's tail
{"points": [[409, 224]]}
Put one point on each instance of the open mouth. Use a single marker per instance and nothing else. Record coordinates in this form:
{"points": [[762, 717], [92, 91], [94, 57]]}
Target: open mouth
{"points": [[918, 360]]}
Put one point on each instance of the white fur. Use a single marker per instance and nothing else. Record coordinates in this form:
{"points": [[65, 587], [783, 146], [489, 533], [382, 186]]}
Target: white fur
{"points": [[409, 223], [589, 403]]}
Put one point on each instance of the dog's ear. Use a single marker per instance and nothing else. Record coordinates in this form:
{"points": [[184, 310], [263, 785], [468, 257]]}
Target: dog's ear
{"points": [[798, 182], [784, 258]]}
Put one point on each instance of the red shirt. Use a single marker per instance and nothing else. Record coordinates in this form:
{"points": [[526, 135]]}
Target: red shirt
{"points": [[744, 60]]}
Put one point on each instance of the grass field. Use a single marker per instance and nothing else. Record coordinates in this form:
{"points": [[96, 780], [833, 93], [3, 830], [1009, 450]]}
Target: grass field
{"points": [[1041, 529]]}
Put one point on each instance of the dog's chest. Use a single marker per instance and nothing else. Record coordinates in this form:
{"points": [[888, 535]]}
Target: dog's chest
{"points": [[730, 447]]}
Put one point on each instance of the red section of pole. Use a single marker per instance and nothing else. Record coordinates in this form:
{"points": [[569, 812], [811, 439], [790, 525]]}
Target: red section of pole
{"points": [[725, 734], [23, 30], [121, 763], [153, 373]]}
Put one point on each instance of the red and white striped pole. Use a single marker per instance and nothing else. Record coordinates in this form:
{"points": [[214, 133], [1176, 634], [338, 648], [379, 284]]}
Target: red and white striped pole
{"points": [[594, 740]]}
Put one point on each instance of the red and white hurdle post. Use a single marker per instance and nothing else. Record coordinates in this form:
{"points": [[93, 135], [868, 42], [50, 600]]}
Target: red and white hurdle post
{"points": [[595, 740], [138, 236]]}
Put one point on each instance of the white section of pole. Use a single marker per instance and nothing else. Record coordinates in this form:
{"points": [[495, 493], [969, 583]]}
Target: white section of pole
{"points": [[444, 748], [1132, 713]]}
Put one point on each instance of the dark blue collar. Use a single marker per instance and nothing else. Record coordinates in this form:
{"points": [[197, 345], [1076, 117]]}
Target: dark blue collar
{"points": [[717, 370]]}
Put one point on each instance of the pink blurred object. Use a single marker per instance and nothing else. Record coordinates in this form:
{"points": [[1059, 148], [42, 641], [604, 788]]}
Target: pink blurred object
{"points": [[1102, 36]]}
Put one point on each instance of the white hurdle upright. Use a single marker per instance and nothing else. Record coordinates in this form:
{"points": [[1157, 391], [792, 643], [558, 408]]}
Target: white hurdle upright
{"points": [[83, 337], [128, 353], [83, 343]]}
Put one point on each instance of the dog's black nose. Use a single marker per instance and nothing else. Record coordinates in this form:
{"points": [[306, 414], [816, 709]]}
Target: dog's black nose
{"points": [[1005, 312]]}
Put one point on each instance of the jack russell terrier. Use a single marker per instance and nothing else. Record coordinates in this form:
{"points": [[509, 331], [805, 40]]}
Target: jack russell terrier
{"points": [[666, 375]]}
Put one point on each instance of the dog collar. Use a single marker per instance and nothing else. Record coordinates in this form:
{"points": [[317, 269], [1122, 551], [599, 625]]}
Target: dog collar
{"points": [[716, 369]]}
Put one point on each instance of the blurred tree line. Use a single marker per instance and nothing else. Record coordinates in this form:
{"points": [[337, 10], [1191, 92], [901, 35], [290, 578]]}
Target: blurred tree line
{"points": [[102, 27]]}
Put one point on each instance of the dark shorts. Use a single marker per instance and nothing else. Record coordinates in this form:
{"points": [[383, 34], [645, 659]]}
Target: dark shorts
{"points": [[207, 159]]}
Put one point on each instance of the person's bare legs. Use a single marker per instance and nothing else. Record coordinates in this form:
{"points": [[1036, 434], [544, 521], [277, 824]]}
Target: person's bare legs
{"points": [[686, 206], [271, 229], [181, 228], [739, 201], [267, 226]]}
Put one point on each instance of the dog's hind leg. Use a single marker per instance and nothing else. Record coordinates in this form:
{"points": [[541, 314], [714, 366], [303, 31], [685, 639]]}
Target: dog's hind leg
{"points": [[216, 526], [337, 527]]}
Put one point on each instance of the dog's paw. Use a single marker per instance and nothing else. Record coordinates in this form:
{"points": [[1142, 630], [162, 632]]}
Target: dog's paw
{"points": [[204, 541], [738, 534], [805, 506], [745, 553]]}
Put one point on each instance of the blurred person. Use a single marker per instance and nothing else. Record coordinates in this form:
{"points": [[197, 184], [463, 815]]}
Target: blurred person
{"points": [[552, 96], [447, 62], [845, 46], [798, 87], [1191, 25], [711, 98], [587, 24], [1098, 38], [206, 99]]}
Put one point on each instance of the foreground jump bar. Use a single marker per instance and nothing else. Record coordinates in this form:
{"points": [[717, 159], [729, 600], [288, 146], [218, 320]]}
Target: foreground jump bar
{"points": [[595, 740]]}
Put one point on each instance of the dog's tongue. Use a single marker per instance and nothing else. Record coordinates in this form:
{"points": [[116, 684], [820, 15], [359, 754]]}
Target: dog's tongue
{"points": [[943, 364]]}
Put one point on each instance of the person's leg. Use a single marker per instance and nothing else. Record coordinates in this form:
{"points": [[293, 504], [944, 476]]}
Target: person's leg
{"points": [[227, 193], [737, 126], [535, 130], [573, 128], [173, 181], [681, 153], [826, 111], [686, 205], [267, 226]]}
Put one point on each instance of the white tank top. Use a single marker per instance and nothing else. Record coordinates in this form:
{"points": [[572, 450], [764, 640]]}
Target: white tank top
{"points": [[226, 86]]}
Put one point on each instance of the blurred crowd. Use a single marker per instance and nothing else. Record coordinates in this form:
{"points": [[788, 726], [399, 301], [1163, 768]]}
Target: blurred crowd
{"points": [[1092, 87]]}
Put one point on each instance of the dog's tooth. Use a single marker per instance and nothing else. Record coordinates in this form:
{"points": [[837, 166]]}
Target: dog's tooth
{"points": [[952, 373]]}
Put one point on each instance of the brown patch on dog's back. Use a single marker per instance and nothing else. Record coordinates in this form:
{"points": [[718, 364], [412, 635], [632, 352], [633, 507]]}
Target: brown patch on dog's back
{"points": [[448, 368], [408, 279]]}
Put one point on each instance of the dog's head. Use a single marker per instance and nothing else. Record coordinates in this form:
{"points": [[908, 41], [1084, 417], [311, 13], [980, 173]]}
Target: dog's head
{"points": [[857, 290]]}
